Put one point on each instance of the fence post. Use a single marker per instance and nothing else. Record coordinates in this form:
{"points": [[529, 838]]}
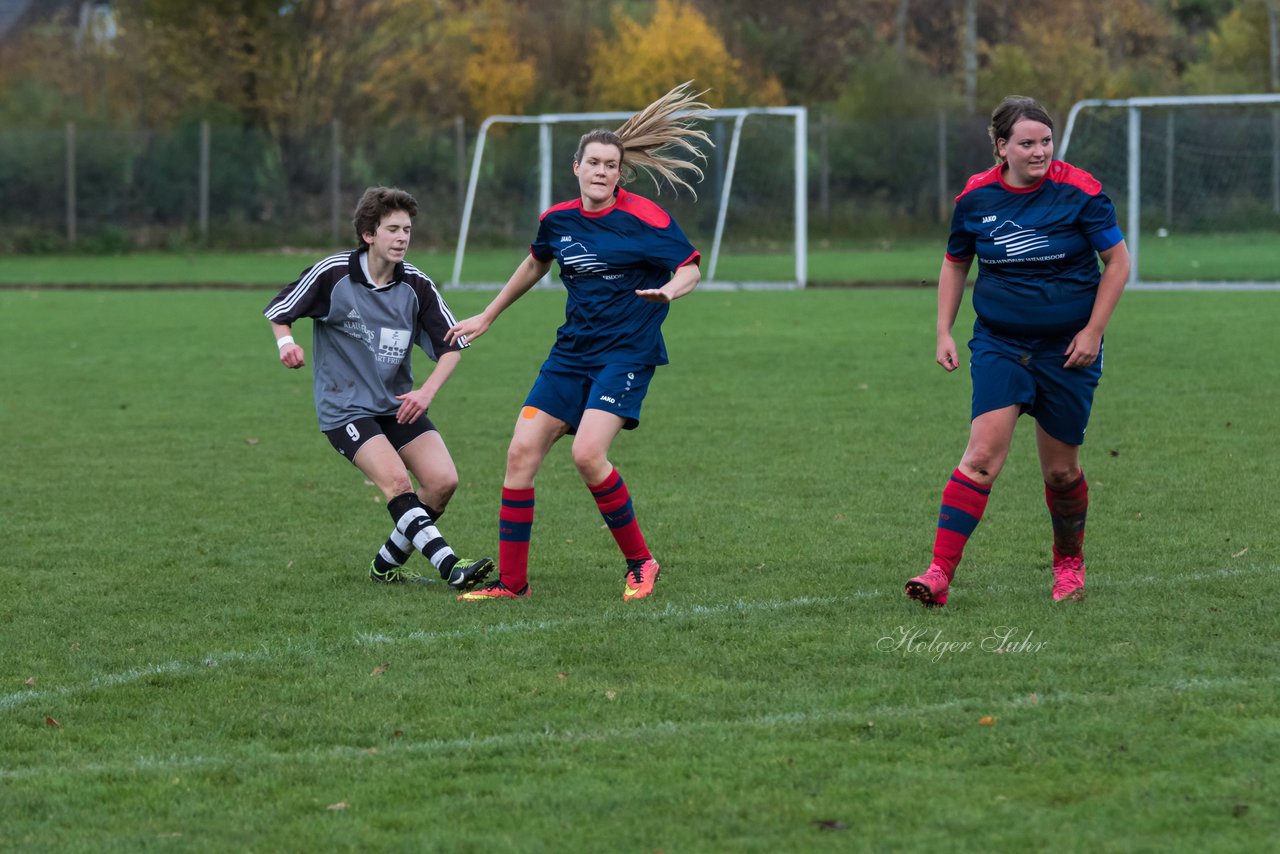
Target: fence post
{"points": [[204, 180], [944, 203], [335, 182], [71, 183], [824, 166], [460, 154]]}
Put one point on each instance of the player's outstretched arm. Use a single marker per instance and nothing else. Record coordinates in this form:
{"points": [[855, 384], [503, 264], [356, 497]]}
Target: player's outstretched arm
{"points": [[685, 280], [528, 274], [416, 402]]}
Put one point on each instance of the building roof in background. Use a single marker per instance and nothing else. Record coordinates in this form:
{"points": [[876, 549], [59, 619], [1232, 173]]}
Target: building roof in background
{"points": [[18, 15], [10, 12]]}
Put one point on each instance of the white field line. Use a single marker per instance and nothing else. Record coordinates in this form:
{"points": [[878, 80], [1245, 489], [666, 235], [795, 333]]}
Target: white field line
{"points": [[484, 630], [865, 717]]}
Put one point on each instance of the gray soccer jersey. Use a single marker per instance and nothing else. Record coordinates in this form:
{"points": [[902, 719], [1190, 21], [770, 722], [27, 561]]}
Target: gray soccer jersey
{"points": [[362, 334]]}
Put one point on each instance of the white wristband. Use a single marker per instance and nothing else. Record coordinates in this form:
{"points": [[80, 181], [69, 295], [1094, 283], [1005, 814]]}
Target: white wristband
{"points": [[281, 342]]}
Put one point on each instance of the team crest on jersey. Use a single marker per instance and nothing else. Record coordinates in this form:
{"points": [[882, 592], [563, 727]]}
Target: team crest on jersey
{"points": [[393, 344], [577, 259], [1017, 240]]}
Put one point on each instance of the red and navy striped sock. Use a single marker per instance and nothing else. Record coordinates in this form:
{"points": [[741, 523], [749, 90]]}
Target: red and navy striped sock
{"points": [[1068, 508], [963, 502], [614, 501], [515, 528]]}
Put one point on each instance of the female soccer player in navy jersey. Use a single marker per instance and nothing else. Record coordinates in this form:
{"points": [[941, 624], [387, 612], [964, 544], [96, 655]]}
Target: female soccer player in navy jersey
{"points": [[623, 260], [1037, 227], [368, 308]]}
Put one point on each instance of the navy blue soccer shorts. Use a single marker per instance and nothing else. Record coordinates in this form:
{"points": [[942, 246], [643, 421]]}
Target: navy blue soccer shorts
{"points": [[1028, 372], [566, 393]]}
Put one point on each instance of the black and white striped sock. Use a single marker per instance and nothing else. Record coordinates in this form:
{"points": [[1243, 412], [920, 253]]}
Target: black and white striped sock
{"points": [[414, 523]]}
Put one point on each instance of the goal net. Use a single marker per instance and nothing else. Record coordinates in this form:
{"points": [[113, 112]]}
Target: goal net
{"points": [[749, 220], [1196, 183]]}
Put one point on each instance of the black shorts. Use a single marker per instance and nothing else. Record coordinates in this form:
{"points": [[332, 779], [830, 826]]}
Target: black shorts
{"points": [[348, 438]]}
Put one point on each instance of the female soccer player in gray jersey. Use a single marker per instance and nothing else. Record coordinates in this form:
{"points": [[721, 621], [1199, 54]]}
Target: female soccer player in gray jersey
{"points": [[368, 308]]}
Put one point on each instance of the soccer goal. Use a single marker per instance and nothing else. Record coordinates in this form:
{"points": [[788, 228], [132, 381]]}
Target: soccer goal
{"points": [[750, 220], [1196, 179]]}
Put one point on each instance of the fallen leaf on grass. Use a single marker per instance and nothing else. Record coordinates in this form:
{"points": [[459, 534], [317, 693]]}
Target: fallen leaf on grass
{"points": [[1244, 551], [251, 441], [31, 680], [340, 805], [562, 676], [380, 669], [986, 720], [611, 695], [830, 824], [51, 722]]}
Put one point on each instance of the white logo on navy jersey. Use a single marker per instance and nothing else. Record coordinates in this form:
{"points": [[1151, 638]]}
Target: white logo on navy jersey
{"points": [[987, 219], [353, 314], [1017, 240], [576, 259]]}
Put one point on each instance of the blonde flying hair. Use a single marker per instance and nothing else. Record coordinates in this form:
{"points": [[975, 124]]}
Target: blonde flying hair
{"points": [[660, 140]]}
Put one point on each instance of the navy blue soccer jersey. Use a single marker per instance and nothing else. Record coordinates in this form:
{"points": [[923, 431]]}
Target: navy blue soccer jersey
{"points": [[605, 257], [1036, 248]]}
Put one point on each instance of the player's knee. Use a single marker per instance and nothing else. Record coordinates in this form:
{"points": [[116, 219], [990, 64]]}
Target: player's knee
{"points": [[398, 485], [523, 457], [438, 493], [589, 459], [981, 464], [1061, 477]]}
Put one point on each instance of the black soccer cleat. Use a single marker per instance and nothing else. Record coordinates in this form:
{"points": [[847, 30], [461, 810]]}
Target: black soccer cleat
{"points": [[468, 573]]}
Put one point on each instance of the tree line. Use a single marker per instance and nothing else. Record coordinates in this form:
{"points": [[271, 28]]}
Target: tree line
{"points": [[276, 92], [276, 65]]}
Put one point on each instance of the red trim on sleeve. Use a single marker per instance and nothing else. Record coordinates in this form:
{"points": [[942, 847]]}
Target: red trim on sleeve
{"points": [[955, 260], [982, 179], [563, 206], [695, 258]]}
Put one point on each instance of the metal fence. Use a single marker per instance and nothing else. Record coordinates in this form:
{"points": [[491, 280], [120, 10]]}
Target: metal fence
{"points": [[208, 184], [100, 188]]}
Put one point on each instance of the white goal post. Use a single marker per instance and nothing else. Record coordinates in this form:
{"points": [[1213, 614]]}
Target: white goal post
{"points": [[798, 115], [1134, 165]]}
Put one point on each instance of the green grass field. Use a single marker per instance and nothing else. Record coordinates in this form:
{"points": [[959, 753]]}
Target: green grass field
{"points": [[1227, 257], [193, 658]]}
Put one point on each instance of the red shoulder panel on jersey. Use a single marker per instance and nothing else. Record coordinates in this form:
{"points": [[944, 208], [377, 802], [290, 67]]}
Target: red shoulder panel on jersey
{"points": [[1064, 173], [563, 206], [642, 209], [982, 179]]}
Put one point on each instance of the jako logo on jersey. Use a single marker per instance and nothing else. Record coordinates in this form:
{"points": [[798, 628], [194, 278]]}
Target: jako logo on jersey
{"points": [[607, 399], [566, 238], [987, 219], [1017, 240]]}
